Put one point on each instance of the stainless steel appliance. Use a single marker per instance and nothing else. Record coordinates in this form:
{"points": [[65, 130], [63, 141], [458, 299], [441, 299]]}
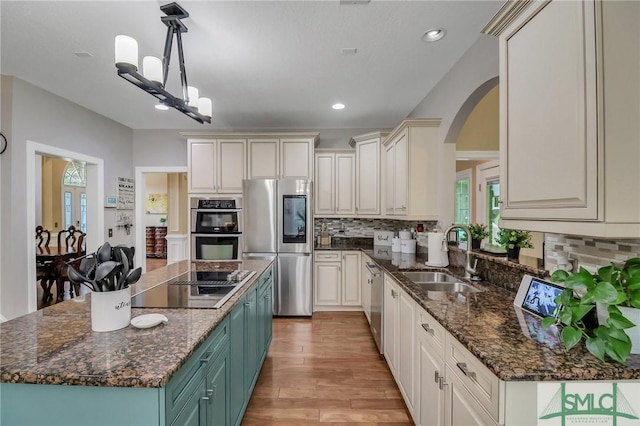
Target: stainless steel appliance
{"points": [[216, 228], [195, 289], [279, 223], [377, 292]]}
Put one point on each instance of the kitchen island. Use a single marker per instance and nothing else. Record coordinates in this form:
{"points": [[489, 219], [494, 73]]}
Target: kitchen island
{"points": [[135, 376]]}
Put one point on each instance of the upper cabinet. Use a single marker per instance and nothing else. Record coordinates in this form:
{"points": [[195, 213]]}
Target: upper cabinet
{"points": [[569, 105], [368, 171], [417, 167], [281, 157], [216, 165], [334, 183]]}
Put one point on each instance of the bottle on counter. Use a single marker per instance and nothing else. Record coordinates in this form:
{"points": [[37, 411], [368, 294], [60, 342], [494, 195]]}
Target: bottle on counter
{"points": [[325, 238]]}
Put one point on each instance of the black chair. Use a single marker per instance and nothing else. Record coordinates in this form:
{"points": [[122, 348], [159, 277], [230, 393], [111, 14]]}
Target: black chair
{"points": [[45, 269]]}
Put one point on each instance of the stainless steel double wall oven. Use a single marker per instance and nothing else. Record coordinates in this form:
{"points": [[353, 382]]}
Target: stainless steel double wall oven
{"points": [[216, 228]]}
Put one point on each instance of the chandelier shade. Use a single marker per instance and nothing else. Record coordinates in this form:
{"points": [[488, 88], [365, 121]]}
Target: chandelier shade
{"points": [[153, 79]]}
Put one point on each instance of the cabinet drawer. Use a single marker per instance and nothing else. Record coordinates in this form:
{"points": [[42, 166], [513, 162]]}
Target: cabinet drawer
{"points": [[434, 332], [186, 380], [327, 256], [477, 378], [265, 280]]}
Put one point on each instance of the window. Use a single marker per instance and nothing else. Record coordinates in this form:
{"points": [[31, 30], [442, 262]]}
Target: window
{"points": [[493, 211], [462, 200], [74, 181]]}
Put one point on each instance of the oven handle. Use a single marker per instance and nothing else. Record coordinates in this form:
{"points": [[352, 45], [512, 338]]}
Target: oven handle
{"points": [[216, 210], [237, 235]]}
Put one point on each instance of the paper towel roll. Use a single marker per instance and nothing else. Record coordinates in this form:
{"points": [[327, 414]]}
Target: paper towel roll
{"points": [[437, 257]]}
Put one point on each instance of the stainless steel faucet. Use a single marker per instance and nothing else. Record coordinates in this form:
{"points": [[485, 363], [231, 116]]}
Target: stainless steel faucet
{"points": [[470, 273]]}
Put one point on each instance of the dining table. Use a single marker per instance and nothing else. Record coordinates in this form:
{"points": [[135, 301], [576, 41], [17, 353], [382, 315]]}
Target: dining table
{"points": [[57, 259]]}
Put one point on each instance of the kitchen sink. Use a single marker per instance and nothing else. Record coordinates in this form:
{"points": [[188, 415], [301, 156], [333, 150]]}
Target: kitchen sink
{"points": [[457, 287], [430, 277]]}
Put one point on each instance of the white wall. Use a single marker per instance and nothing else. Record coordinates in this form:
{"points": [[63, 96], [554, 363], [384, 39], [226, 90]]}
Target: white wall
{"points": [[154, 183], [455, 96], [42, 117]]}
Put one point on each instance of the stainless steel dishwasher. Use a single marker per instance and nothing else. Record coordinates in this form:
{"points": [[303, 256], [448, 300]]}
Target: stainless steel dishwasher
{"points": [[376, 303]]}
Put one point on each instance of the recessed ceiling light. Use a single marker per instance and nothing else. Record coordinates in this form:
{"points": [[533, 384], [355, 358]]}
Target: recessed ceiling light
{"points": [[338, 106], [434, 34], [162, 107]]}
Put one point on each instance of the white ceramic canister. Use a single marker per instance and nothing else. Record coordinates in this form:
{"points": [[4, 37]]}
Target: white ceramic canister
{"points": [[395, 245], [404, 235], [110, 310], [408, 246]]}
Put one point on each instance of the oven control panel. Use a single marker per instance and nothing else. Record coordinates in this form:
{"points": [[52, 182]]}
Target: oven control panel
{"points": [[216, 204]]}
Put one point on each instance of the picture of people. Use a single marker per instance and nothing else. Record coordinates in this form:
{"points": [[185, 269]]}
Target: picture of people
{"points": [[540, 299]]}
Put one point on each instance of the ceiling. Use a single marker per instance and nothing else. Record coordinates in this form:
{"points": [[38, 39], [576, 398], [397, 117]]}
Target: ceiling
{"points": [[265, 64]]}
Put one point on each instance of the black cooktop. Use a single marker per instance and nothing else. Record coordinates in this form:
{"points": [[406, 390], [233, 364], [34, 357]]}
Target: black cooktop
{"points": [[201, 289]]}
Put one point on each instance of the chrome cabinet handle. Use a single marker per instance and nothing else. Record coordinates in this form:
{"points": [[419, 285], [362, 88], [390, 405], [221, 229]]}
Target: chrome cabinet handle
{"points": [[437, 378], [442, 383], [428, 329], [211, 395], [465, 370], [394, 294]]}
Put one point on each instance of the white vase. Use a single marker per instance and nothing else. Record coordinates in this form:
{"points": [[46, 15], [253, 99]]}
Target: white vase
{"points": [[633, 315], [110, 310]]}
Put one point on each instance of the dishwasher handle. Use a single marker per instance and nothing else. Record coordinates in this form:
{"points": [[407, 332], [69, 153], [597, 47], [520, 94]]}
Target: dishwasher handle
{"points": [[373, 268]]}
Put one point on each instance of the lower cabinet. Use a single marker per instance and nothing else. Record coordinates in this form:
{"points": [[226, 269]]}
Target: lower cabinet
{"points": [[390, 320], [337, 281], [441, 382]]}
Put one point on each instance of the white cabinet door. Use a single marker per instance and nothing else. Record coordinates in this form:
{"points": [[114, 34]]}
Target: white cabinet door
{"points": [[324, 184], [344, 184], [549, 144], [202, 157], [406, 349], [263, 158], [368, 177], [327, 283], [231, 169], [401, 173], [365, 286], [296, 158], [430, 369], [461, 407], [389, 154], [391, 300], [351, 278]]}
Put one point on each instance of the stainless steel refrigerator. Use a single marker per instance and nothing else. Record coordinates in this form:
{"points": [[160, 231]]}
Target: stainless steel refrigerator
{"points": [[278, 224]]}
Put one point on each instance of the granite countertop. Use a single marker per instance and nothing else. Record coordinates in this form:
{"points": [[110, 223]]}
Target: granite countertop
{"points": [[56, 346], [487, 323]]}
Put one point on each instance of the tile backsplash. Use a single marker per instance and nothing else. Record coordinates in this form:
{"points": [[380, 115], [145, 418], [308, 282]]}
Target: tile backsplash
{"points": [[590, 252], [360, 227]]}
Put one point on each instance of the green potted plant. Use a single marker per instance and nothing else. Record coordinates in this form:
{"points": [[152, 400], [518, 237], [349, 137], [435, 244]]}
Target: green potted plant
{"points": [[478, 233], [613, 291], [513, 240]]}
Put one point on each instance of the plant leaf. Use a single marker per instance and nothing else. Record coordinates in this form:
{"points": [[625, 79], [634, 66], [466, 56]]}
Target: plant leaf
{"points": [[633, 282], [605, 273], [616, 333], [571, 336], [618, 350], [596, 346], [619, 321], [548, 322], [634, 300], [605, 292], [578, 312], [565, 316], [559, 276]]}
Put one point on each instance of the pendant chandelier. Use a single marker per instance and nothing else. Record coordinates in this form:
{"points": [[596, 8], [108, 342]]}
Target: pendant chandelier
{"points": [[153, 79]]}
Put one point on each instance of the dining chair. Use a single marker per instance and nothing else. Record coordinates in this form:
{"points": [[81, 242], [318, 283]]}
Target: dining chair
{"points": [[45, 269], [70, 242]]}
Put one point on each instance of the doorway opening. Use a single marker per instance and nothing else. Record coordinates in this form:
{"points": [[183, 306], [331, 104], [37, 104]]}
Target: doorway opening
{"points": [[37, 208]]}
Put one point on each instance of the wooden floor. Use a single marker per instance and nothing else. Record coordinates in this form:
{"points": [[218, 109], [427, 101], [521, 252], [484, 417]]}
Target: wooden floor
{"points": [[325, 370]]}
